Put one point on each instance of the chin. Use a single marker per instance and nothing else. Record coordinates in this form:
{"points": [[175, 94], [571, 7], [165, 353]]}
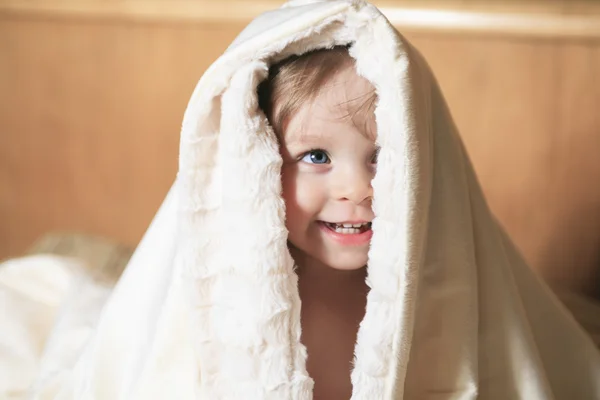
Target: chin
{"points": [[347, 267], [339, 259], [346, 263]]}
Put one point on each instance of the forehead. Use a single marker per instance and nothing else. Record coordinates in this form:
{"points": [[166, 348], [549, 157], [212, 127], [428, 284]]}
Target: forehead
{"points": [[346, 100]]}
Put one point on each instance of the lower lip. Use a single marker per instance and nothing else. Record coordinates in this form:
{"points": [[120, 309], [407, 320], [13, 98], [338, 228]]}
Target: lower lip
{"points": [[347, 239]]}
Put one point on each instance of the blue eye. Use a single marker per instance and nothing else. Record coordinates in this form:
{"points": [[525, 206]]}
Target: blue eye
{"points": [[316, 157]]}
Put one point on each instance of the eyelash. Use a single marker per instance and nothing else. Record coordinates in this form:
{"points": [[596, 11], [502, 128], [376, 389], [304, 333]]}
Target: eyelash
{"points": [[308, 153], [375, 156]]}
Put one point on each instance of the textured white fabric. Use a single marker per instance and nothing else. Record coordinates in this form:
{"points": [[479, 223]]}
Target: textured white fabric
{"points": [[208, 307]]}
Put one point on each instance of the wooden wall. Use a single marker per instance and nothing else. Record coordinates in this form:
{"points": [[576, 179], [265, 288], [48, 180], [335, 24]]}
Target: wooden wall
{"points": [[92, 95]]}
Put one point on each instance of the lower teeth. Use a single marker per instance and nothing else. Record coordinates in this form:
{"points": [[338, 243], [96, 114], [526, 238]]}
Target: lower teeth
{"points": [[347, 231]]}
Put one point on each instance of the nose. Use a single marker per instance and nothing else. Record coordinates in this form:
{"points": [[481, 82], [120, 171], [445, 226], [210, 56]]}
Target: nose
{"points": [[353, 184]]}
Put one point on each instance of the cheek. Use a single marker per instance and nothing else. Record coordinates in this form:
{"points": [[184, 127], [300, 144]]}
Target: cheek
{"points": [[303, 198]]}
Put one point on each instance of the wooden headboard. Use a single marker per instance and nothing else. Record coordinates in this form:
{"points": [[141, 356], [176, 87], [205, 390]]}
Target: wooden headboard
{"points": [[92, 95]]}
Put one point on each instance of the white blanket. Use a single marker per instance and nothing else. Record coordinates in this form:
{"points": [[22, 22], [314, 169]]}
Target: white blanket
{"points": [[209, 308]]}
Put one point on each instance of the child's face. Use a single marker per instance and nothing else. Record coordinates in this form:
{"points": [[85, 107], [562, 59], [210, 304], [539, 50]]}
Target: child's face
{"points": [[329, 161]]}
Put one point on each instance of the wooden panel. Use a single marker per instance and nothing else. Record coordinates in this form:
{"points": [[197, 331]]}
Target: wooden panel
{"points": [[92, 95], [530, 18], [89, 119]]}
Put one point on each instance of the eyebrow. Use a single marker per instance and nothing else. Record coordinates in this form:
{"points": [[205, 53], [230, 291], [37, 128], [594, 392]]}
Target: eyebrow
{"points": [[300, 134], [304, 138]]}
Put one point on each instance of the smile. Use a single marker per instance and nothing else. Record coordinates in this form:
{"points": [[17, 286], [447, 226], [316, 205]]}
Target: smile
{"points": [[348, 234], [349, 229]]}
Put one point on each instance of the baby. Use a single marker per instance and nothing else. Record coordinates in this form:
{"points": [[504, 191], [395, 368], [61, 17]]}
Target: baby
{"points": [[252, 280], [323, 115]]}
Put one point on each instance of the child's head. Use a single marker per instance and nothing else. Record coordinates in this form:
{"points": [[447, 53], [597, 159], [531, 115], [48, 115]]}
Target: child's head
{"points": [[323, 115]]}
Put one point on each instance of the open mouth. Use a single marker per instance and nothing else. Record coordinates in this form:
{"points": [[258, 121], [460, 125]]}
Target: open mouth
{"points": [[348, 229]]}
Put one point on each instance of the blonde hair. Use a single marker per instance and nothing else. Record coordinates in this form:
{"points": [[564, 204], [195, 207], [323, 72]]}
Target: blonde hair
{"points": [[298, 80]]}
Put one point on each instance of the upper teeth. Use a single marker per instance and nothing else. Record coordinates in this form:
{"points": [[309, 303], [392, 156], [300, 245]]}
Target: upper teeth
{"points": [[352, 225]]}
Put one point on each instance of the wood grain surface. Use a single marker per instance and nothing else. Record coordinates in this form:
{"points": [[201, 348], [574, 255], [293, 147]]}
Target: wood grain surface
{"points": [[92, 95]]}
